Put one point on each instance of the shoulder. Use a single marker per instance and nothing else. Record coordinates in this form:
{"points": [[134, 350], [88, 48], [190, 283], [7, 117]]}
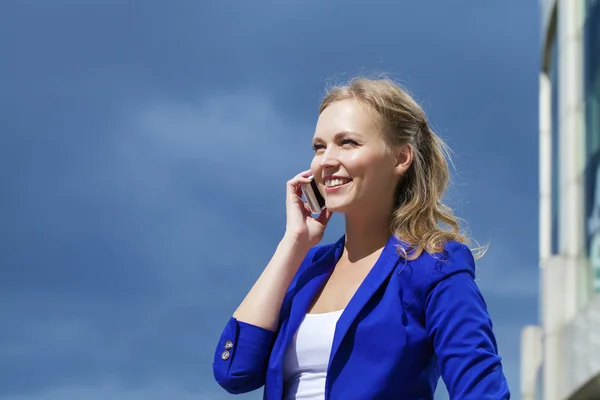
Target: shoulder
{"points": [[315, 254], [454, 258], [424, 273], [323, 254]]}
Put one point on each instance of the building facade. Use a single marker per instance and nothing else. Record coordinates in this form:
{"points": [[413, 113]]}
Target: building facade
{"points": [[561, 356]]}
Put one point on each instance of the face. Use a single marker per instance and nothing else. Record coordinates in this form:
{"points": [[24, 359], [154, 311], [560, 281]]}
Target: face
{"points": [[353, 164]]}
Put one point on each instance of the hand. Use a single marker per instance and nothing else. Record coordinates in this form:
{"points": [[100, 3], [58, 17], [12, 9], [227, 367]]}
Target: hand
{"points": [[300, 223]]}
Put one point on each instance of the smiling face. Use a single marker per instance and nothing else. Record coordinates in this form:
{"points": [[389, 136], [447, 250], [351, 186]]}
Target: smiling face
{"points": [[354, 165]]}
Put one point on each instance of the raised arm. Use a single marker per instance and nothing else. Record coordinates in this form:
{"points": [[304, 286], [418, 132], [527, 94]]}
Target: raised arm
{"points": [[262, 304], [243, 349]]}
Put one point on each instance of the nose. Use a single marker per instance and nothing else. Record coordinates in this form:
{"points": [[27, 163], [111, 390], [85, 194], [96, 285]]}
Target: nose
{"points": [[329, 158]]}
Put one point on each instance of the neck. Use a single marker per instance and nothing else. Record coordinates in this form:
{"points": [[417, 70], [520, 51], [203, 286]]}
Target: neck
{"points": [[365, 234]]}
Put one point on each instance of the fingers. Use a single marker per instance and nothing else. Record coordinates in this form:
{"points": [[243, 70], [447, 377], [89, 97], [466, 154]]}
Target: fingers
{"points": [[324, 217], [293, 185], [307, 210], [302, 177]]}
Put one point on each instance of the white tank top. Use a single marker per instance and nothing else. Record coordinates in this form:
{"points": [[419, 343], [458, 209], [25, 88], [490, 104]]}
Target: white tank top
{"points": [[307, 356]]}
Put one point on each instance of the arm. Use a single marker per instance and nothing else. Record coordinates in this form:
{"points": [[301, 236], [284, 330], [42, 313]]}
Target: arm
{"points": [[460, 329], [262, 304], [243, 349]]}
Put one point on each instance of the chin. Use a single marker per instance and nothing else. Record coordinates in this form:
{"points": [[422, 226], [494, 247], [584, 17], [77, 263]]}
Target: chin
{"points": [[339, 207]]}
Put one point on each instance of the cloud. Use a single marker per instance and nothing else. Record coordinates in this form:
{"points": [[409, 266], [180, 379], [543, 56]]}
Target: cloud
{"points": [[152, 210], [237, 138], [219, 164]]}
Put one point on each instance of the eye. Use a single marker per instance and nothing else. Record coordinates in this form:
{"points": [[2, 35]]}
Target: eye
{"points": [[349, 142], [316, 147]]}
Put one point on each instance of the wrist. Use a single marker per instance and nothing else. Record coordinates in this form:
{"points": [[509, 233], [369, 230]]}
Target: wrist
{"points": [[294, 243]]}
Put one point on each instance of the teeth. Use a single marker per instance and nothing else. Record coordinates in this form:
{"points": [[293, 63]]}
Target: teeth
{"points": [[336, 182]]}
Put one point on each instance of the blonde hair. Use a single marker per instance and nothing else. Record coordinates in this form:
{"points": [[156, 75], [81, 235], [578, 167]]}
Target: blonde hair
{"points": [[419, 219]]}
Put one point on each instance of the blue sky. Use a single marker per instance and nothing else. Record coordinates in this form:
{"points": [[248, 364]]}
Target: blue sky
{"points": [[144, 151]]}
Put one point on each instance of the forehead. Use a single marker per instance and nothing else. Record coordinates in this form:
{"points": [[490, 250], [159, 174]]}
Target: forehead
{"points": [[347, 116]]}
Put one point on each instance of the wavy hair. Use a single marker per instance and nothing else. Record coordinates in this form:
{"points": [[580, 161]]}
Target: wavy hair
{"points": [[419, 218]]}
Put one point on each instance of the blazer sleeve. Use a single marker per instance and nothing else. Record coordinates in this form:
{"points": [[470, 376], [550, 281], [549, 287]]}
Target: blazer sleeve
{"points": [[243, 350], [460, 328], [241, 356]]}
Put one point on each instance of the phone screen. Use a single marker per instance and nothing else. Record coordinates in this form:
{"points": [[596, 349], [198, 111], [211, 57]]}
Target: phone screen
{"points": [[315, 188]]}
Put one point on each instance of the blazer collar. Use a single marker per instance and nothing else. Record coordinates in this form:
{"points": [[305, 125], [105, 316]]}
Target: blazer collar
{"points": [[315, 277]]}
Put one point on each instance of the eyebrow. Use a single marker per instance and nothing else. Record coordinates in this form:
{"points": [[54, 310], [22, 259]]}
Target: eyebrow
{"points": [[339, 135]]}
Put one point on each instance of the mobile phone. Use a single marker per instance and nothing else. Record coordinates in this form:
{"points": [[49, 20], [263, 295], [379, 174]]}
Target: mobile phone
{"points": [[313, 196]]}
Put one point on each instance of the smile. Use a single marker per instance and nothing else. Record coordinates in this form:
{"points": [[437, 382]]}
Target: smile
{"points": [[336, 182]]}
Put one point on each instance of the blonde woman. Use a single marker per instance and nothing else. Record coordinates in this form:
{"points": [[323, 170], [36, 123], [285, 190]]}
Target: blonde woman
{"points": [[393, 304]]}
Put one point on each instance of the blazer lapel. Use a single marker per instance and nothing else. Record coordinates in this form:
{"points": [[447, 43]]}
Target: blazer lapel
{"points": [[383, 267], [308, 285], [306, 288]]}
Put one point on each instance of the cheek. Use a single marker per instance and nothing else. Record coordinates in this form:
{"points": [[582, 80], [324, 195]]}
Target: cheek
{"points": [[374, 167], [358, 163], [314, 167], [352, 160]]}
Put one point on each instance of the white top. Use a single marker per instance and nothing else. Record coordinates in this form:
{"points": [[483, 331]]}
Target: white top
{"points": [[307, 357]]}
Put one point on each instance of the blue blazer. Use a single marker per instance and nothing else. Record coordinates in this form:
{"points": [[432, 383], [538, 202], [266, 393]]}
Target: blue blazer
{"points": [[408, 322]]}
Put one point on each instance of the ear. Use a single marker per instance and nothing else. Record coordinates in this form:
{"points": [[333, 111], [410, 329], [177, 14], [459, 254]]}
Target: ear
{"points": [[404, 158]]}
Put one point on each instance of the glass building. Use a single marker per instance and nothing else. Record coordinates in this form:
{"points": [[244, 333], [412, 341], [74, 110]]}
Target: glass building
{"points": [[592, 136], [561, 355]]}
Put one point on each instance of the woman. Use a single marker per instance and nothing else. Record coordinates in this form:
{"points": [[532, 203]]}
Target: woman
{"points": [[393, 303]]}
